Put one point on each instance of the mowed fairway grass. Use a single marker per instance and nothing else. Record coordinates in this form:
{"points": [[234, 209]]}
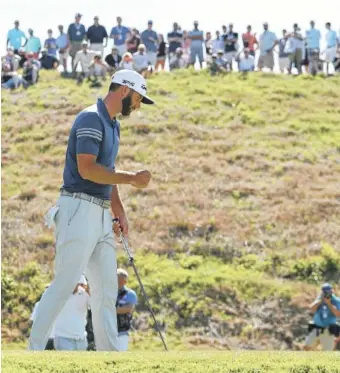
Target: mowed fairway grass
{"points": [[193, 362]]}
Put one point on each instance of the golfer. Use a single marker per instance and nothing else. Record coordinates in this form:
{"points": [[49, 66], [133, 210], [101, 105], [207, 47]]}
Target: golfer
{"points": [[82, 217]]}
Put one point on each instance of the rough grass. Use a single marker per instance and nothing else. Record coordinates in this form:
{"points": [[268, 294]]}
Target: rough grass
{"points": [[242, 215], [200, 362]]}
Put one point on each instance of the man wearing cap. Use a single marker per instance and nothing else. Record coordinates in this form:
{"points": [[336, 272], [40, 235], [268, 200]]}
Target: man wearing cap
{"points": [[324, 328], [82, 216], [33, 44], [119, 34], [76, 34], [48, 61], [63, 47], [14, 38], [113, 60], [51, 44], [267, 43], [196, 45], [126, 301], [149, 38], [96, 34], [332, 43]]}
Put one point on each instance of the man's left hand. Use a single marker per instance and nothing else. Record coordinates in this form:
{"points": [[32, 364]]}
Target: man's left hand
{"points": [[327, 301]]}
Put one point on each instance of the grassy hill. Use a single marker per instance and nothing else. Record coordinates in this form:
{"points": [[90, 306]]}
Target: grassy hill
{"points": [[239, 226]]}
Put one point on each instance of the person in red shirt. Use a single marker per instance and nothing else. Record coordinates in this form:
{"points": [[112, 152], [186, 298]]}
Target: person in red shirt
{"points": [[249, 41]]}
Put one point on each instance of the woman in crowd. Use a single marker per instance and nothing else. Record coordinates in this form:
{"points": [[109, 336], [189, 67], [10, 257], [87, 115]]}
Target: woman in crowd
{"points": [[161, 53], [186, 47], [127, 61]]}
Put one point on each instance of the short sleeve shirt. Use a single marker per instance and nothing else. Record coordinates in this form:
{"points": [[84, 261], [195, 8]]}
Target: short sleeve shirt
{"points": [[76, 32], [51, 45], [196, 43], [267, 40], [96, 34], [230, 46], [324, 317], [173, 45], [121, 32], [149, 44], [33, 45], [15, 37], [93, 132]]}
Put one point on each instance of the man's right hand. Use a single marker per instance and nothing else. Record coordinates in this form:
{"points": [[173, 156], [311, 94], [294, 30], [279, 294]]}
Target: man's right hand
{"points": [[141, 179]]}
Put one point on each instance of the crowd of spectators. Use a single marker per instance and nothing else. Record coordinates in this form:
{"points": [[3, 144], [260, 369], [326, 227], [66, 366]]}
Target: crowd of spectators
{"points": [[149, 51]]}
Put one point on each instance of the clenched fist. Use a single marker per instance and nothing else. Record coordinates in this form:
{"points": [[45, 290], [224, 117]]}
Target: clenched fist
{"points": [[141, 179]]}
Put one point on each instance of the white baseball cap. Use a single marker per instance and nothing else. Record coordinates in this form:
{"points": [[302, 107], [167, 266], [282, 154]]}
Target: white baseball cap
{"points": [[134, 81]]}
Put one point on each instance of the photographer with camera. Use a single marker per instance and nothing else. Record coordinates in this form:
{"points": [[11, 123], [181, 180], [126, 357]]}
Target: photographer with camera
{"points": [[126, 301], [324, 328]]}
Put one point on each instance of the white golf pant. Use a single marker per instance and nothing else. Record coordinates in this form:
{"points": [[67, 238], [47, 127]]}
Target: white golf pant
{"points": [[69, 344], [84, 243]]}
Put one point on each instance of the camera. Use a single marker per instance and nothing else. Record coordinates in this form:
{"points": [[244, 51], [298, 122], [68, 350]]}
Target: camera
{"points": [[327, 294]]}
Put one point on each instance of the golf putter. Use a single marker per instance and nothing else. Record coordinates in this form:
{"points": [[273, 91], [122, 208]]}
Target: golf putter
{"points": [[132, 263]]}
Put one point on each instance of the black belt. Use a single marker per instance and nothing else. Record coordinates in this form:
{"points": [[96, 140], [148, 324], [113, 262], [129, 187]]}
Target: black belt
{"points": [[97, 201]]}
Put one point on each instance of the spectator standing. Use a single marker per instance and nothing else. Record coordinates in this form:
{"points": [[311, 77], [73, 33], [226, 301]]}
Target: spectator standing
{"points": [[326, 309], [51, 44], [267, 42], [175, 39], [313, 37], [247, 62], [119, 35], [331, 46], [218, 43], [249, 41], [113, 60], [33, 44], [48, 61], [96, 34], [150, 39], [224, 32], [63, 44], [126, 301], [186, 47], [140, 60], [208, 46], [161, 54], [284, 61], [76, 34], [196, 45], [132, 41], [15, 37], [230, 46], [295, 48]]}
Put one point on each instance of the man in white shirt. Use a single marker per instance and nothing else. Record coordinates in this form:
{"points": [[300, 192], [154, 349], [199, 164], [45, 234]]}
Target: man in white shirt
{"points": [[85, 57], [217, 43], [140, 60], [69, 327], [247, 62], [295, 49], [267, 43]]}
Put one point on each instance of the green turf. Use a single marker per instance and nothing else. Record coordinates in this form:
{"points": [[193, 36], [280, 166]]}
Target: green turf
{"points": [[191, 362]]}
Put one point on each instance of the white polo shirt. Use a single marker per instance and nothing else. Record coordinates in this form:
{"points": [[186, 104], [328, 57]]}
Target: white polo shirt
{"points": [[246, 64], [71, 321]]}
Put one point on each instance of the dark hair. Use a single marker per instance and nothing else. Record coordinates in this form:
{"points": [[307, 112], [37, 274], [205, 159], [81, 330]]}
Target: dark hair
{"points": [[328, 24], [114, 87]]}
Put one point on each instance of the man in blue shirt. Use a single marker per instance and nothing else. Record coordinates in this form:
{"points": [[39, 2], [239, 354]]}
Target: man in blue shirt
{"points": [[82, 216], [14, 38], [126, 301], [51, 44], [96, 34], [331, 46], [149, 38], [119, 34], [196, 45], [63, 47], [33, 44], [326, 309], [76, 34], [175, 40]]}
